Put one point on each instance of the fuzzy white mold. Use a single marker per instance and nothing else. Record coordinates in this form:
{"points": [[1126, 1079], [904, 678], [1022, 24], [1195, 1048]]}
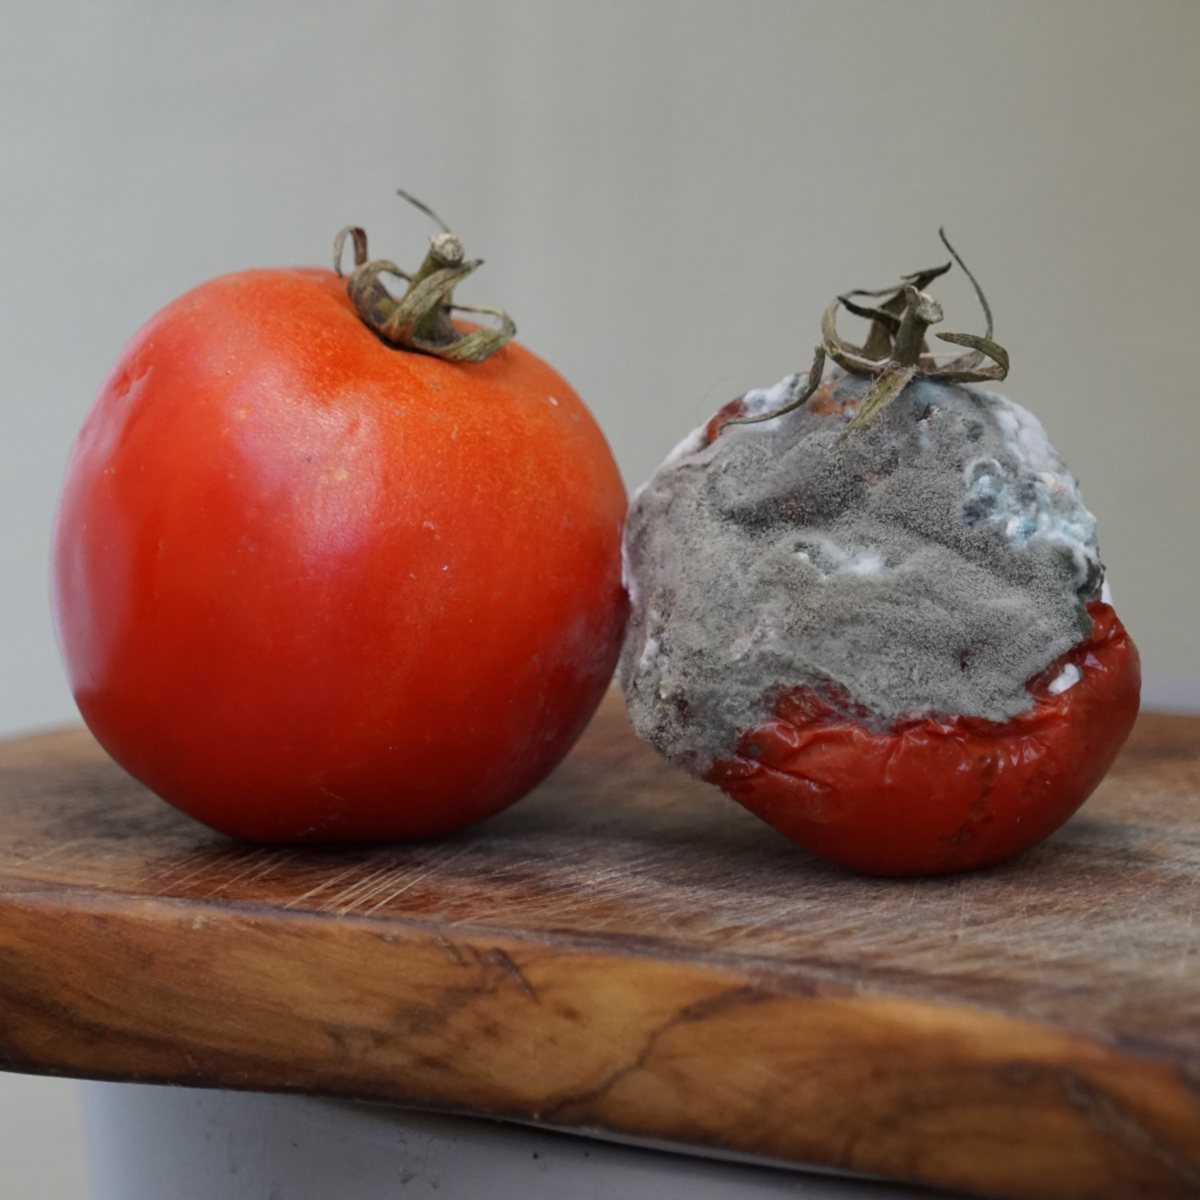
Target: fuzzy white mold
{"points": [[931, 563]]}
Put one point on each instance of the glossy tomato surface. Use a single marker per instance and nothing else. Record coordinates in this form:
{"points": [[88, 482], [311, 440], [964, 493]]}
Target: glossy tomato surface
{"points": [[935, 795], [309, 587]]}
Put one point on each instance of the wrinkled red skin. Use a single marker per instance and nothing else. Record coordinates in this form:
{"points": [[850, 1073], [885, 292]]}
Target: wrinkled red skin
{"points": [[934, 795]]}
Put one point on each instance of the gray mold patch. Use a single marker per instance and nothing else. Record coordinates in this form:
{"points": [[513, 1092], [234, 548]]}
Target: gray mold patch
{"points": [[931, 563]]}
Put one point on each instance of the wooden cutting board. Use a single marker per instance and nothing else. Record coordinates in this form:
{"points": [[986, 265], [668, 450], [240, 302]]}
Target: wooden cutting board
{"points": [[627, 951]]}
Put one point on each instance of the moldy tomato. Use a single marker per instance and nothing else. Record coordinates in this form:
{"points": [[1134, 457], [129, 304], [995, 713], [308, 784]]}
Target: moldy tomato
{"points": [[936, 794], [331, 567], [870, 607]]}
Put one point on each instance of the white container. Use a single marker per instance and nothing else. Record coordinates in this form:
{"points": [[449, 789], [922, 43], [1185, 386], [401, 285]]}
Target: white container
{"points": [[161, 1143]]}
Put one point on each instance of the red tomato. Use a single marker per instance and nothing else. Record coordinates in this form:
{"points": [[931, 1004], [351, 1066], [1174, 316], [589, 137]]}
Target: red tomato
{"points": [[933, 795], [310, 587]]}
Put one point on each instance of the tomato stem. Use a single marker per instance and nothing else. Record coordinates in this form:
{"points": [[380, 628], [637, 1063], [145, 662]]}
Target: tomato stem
{"points": [[920, 311], [896, 351], [420, 320]]}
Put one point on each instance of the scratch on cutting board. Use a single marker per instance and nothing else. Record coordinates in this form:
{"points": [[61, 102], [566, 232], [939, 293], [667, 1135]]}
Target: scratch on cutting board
{"points": [[384, 886], [347, 900], [267, 862], [320, 887], [433, 869], [170, 884], [54, 851]]}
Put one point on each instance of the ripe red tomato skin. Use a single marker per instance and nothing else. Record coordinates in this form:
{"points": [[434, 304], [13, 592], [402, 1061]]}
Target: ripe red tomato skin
{"points": [[940, 795], [309, 587]]}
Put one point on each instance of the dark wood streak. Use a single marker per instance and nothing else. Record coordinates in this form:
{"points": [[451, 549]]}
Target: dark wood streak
{"points": [[569, 1107], [1109, 1116], [626, 950]]}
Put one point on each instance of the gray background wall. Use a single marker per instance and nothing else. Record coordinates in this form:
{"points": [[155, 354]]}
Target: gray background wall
{"points": [[667, 195]]}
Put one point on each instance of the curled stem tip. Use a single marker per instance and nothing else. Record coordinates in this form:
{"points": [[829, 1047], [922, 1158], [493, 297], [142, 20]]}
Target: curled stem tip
{"points": [[896, 350], [983, 303], [421, 206], [419, 320], [799, 390]]}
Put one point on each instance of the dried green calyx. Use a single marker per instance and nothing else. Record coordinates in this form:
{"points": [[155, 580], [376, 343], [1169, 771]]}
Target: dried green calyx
{"points": [[420, 320], [896, 351]]}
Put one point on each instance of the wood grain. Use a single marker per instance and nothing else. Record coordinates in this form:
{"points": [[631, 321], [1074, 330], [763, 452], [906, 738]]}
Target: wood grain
{"points": [[628, 951]]}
